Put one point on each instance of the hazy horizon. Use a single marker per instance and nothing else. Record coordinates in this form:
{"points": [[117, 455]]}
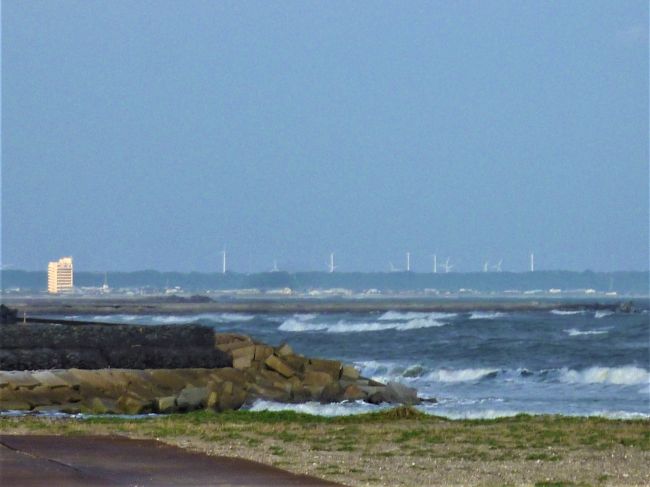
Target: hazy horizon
{"points": [[152, 135]]}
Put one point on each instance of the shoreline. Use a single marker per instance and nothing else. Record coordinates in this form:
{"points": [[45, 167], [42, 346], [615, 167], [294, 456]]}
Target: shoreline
{"points": [[35, 307]]}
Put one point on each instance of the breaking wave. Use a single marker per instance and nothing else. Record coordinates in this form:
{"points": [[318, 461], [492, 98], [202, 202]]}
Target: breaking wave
{"points": [[316, 408], [386, 371], [214, 317], [629, 375], [296, 326], [462, 375], [483, 315], [413, 315], [574, 332], [602, 314], [563, 312]]}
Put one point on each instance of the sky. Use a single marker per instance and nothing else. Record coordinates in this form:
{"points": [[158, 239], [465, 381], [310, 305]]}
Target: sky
{"points": [[152, 134]]}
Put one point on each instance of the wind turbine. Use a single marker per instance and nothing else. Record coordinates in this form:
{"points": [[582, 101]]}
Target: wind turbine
{"points": [[331, 265], [532, 262], [275, 266], [392, 267], [408, 261], [498, 266], [223, 261], [448, 266], [486, 266], [435, 263]]}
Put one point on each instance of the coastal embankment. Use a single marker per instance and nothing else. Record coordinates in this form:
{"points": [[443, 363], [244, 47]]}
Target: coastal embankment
{"points": [[112, 368]]}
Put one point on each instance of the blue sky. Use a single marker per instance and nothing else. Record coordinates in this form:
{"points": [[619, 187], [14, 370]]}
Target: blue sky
{"points": [[141, 135]]}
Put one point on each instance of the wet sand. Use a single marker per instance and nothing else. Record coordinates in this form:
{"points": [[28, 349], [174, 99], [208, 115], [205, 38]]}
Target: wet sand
{"points": [[115, 461]]}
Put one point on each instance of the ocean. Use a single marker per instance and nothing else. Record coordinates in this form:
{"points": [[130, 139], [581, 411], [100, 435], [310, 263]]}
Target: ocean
{"points": [[476, 364]]}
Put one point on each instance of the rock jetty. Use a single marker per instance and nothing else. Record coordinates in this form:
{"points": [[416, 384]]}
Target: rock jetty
{"points": [[247, 370]]}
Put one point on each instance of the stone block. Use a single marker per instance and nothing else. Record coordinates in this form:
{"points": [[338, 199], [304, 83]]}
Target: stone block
{"points": [[166, 405], [349, 372], [102, 405], [241, 363], [213, 400], [232, 346], [262, 352], [275, 363], [132, 404], [332, 392], [19, 378], [67, 377], [354, 393], [315, 391], [400, 394], [296, 362], [166, 379], [230, 374], [284, 350], [225, 338], [67, 408], [313, 378], [231, 396], [332, 367], [43, 395], [15, 406], [270, 393], [244, 352], [94, 380], [192, 398], [49, 379]]}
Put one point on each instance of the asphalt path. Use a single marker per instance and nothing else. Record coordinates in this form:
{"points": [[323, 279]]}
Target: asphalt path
{"points": [[92, 461]]}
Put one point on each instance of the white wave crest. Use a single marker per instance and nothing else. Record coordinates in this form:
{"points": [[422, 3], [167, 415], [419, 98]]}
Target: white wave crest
{"points": [[293, 325], [217, 317], [574, 332], [628, 375], [460, 375], [304, 316], [413, 315], [563, 312], [602, 314], [316, 408], [483, 315]]}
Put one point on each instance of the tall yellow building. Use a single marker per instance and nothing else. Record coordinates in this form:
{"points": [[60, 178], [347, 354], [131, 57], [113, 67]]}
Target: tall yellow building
{"points": [[59, 276]]}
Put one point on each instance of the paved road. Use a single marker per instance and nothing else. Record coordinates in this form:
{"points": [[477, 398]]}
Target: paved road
{"points": [[92, 461]]}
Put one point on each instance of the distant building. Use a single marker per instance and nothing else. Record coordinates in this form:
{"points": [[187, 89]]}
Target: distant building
{"points": [[59, 276]]}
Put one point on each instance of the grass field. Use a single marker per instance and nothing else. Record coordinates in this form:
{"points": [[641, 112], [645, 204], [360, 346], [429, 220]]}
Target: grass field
{"points": [[397, 447]]}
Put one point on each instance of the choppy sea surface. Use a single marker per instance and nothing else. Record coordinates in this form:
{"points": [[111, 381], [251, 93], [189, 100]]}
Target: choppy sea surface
{"points": [[476, 364]]}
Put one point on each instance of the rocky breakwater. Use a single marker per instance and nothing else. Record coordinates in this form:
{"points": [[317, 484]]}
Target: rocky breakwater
{"points": [[254, 371]]}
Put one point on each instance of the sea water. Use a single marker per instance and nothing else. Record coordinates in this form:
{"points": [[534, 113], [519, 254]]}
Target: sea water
{"points": [[476, 364]]}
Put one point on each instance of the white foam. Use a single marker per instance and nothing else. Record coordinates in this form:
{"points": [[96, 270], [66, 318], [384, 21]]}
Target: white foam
{"points": [[413, 315], [294, 325], [316, 408], [602, 314], [304, 316], [562, 312], [482, 315], [574, 332], [628, 375], [460, 375], [217, 317]]}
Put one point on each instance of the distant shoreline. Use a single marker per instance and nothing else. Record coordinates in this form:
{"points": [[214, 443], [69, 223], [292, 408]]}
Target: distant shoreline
{"points": [[33, 307]]}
